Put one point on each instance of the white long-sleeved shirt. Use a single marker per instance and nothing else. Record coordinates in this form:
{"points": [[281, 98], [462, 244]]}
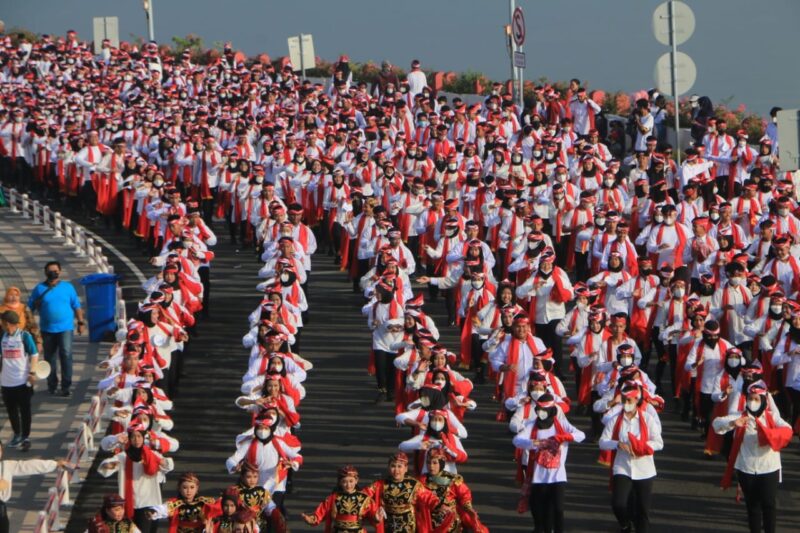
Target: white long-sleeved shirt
{"points": [[636, 468], [548, 475], [752, 458], [11, 469]]}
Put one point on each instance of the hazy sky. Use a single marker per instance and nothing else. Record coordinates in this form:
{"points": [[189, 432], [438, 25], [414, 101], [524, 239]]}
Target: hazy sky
{"points": [[744, 49]]}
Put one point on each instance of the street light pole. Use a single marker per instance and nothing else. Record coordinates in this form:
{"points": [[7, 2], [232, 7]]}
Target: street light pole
{"points": [[674, 42], [512, 4], [148, 12]]}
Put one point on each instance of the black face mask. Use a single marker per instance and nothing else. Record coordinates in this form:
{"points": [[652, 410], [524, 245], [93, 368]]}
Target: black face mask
{"points": [[795, 334], [706, 290], [134, 454], [52, 275], [440, 165], [617, 268], [710, 340], [644, 272]]}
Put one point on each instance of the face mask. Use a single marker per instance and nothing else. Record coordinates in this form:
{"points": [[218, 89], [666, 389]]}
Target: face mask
{"points": [[735, 282], [440, 383], [542, 415], [714, 217], [783, 212], [678, 293], [734, 362], [754, 405], [776, 309], [260, 180], [626, 361], [658, 219], [535, 395], [629, 407], [438, 425], [452, 166], [600, 221], [52, 275], [537, 153], [609, 183], [742, 144], [561, 178], [477, 285], [263, 433]]}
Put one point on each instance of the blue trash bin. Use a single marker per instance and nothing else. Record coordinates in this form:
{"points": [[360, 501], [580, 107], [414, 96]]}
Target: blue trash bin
{"points": [[101, 304]]}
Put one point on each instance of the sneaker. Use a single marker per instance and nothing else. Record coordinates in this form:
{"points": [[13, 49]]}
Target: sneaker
{"points": [[15, 442], [25, 446], [65, 393]]}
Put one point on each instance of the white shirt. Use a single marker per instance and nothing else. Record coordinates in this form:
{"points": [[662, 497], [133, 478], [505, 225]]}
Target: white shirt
{"points": [[641, 138], [753, 458], [712, 363], [146, 489], [636, 468], [540, 473]]}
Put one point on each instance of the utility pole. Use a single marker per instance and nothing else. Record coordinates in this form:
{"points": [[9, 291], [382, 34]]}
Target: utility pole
{"points": [[510, 48], [148, 12], [674, 43]]}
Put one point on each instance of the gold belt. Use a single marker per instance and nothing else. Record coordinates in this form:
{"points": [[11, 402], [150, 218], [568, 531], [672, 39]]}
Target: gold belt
{"points": [[398, 509]]}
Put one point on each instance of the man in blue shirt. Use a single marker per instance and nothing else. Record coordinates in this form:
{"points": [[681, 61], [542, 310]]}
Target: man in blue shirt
{"points": [[58, 306]]}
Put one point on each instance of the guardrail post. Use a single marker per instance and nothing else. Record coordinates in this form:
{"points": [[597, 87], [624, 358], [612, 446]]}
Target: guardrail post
{"points": [[37, 212], [46, 213], [54, 524], [41, 523], [12, 200], [88, 244], [88, 440], [25, 213], [57, 225], [63, 483], [80, 241]]}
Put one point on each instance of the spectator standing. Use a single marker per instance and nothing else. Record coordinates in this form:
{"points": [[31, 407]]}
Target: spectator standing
{"points": [[13, 302], [416, 79], [17, 377], [58, 306]]}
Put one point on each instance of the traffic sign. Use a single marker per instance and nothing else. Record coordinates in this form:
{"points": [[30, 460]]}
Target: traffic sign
{"points": [[518, 26], [519, 59], [684, 23], [685, 69]]}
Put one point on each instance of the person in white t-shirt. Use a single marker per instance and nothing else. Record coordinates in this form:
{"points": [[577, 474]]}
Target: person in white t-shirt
{"points": [[20, 357], [644, 125], [416, 79]]}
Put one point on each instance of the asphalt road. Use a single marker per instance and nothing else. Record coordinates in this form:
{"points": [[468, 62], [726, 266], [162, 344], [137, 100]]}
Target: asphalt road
{"points": [[341, 424]]}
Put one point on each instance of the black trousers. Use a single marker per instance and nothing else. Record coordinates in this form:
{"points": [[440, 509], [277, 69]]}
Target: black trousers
{"points": [[18, 405], [384, 370], [5, 527], [547, 332], [205, 278], [794, 398], [630, 501], [760, 491], [546, 501], [706, 408]]}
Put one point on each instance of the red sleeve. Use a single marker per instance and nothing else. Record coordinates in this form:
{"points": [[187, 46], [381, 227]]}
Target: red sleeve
{"points": [[776, 438], [323, 509]]}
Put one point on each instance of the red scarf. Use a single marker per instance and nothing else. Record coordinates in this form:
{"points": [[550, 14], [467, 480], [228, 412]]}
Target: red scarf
{"points": [[150, 463], [724, 323], [558, 294], [681, 236], [510, 376], [637, 444], [472, 312], [723, 350], [585, 390]]}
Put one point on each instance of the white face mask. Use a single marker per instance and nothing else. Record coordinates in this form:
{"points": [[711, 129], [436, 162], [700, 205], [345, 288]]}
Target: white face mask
{"points": [[783, 212], [561, 178], [535, 394], [754, 405], [678, 293], [259, 180], [477, 285], [734, 362], [626, 361], [777, 309], [537, 153], [424, 401], [440, 383], [735, 282], [263, 433], [714, 216], [629, 407], [452, 166], [742, 144], [609, 183], [542, 415], [658, 219], [600, 221], [438, 425]]}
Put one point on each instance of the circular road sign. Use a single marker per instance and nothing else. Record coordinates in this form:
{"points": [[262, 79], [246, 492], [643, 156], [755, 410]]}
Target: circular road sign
{"points": [[518, 26], [686, 73], [684, 23]]}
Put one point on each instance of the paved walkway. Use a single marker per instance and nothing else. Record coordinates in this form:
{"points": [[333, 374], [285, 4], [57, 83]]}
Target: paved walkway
{"points": [[24, 249]]}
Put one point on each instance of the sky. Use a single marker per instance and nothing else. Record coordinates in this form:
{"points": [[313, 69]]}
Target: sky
{"points": [[744, 50]]}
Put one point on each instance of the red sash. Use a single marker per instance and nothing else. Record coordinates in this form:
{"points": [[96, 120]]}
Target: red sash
{"points": [[150, 464]]}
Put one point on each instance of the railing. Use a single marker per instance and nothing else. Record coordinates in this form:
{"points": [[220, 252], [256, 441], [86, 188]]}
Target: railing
{"points": [[82, 449]]}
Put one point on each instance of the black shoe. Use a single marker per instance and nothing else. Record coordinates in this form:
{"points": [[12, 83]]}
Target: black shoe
{"points": [[25, 446], [381, 395], [65, 393], [52, 391]]}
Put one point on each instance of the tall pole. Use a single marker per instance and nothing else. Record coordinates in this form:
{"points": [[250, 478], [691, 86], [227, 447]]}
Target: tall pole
{"points": [[302, 58], [512, 5], [148, 10], [674, 63]]}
